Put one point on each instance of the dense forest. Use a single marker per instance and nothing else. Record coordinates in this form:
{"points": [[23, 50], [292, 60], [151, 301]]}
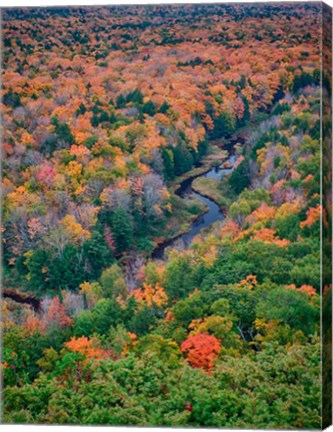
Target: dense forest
{"points": [[107, 111]]}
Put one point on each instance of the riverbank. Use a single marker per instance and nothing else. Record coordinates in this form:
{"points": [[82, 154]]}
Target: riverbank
{"points": [[199, 210], [215, 157], [210, 188], [186, 212], [186, 228]]}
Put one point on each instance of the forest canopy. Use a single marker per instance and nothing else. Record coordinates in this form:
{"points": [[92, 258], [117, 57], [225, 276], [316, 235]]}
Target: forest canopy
{"points": [[107, 111]]}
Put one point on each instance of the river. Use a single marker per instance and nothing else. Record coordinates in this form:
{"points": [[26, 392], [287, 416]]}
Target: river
{"points": [[213, 214]]}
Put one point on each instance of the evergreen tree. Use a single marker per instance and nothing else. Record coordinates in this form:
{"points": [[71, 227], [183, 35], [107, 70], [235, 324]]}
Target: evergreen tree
{"points": [[239, 178], [183, 160], [149, 108], [164, 107], [122, 229], [121, 101], [12, 99], [168, 164], [104, 117], [97, 253], [62, 130], [81, 110]]}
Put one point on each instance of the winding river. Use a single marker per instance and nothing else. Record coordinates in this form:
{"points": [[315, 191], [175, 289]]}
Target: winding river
{"points": [[185, 191], [213, 214]]}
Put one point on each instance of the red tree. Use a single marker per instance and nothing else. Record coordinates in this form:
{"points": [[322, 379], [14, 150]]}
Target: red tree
{"points": [[201, 349]]}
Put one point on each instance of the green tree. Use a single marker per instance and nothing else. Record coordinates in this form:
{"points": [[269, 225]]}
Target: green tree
{"points": [[97, 253], [113, 282], [168, 164], [291, 307], [143, 321], [122, 229], [182, 276], [240, 179], [99, 319], [183, 160], [149, 108], [62, 130], [166, 350]]}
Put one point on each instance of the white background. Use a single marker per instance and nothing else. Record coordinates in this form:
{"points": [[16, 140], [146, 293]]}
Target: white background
{"points": [[4, 3]]}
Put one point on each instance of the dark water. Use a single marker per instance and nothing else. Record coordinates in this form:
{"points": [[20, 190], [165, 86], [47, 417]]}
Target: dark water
{"points": [[218, 173], [213, 214]]}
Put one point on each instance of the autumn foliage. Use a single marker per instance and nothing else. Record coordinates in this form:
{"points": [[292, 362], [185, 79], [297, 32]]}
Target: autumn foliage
{"points": [[162, 200], [56, 314], [88, 347], [201, 350], [151, 295], [312, 215]]}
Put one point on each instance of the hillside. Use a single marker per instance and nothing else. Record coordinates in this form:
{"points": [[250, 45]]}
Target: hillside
{"points": [[107, 111]]}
